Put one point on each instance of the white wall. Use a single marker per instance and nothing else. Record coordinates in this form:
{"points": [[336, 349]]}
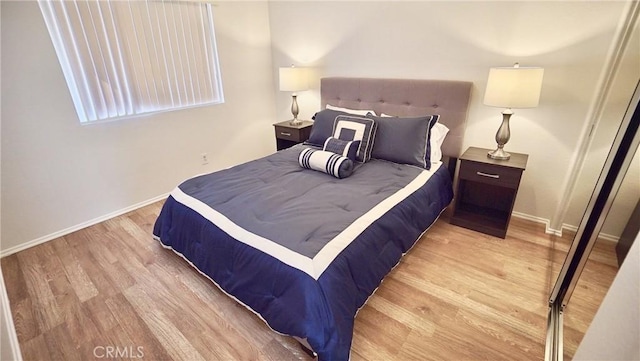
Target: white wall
{"points": [[461, 41], [58, 174], [613, 333]]}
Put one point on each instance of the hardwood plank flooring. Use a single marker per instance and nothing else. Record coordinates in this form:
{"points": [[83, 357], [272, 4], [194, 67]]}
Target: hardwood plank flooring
{"points": [[457, 294]]}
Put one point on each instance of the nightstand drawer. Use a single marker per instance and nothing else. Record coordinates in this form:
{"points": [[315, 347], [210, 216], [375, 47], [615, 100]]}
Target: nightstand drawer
{"points": [[288, 135], [292, 134], [490, 174]]}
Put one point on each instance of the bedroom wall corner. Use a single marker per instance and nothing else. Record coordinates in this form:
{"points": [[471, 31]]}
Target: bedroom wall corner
{"points": [[57, 174]]}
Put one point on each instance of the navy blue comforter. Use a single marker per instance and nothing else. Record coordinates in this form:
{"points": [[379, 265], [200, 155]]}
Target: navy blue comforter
{"points": [[298, 247]]}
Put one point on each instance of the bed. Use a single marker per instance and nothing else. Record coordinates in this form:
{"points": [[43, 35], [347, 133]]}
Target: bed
{"points": [[305, 250]]}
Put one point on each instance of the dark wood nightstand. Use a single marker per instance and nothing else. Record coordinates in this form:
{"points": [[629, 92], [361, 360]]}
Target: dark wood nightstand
{"points": [[487, 190], [288, 135]]}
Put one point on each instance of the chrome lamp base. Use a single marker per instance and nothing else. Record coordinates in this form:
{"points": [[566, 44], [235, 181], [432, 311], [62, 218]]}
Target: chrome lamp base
{"points": [[499, 154], [502, 137], [294, 111]]}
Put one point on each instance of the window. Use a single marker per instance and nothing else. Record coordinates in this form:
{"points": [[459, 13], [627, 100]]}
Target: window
{"points": [[124, 58]]}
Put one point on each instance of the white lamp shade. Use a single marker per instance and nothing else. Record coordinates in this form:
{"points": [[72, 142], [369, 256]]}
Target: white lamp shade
{"points": [[514, 87], [293, 79]]}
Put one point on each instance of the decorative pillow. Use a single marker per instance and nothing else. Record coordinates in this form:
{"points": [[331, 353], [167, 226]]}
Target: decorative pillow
{"points": [[404, 140], [327, 162], [344, 148], [438, 133], [352, 128], [350, 111], [322, 126]]}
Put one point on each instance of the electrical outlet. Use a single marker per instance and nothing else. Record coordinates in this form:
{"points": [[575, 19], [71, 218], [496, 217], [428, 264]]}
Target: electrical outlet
{"points": [[204, 158]]}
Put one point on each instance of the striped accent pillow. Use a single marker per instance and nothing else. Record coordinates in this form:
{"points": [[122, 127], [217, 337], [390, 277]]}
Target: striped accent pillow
{"points": [[356, 128], [346, 148], [327, 162]]}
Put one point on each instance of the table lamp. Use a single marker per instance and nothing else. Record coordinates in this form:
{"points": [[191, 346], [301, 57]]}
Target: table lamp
{"points": [[293, 79], [511, 87]]}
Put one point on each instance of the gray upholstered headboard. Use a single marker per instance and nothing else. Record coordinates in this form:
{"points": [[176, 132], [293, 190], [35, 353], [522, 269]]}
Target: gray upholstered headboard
{"points": [[405, 97]]}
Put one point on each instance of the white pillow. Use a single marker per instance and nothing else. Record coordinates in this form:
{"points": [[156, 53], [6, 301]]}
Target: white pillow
{"points": [[438, 133], [351, 111]]}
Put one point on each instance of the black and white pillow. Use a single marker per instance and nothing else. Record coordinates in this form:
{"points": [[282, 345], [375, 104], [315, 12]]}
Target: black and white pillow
{"points": [[352, 128], [346, 148], [327, 162]]}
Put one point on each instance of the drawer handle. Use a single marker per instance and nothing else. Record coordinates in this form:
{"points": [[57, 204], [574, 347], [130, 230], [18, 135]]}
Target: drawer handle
{"points": [[285, 134], [496, 176]]}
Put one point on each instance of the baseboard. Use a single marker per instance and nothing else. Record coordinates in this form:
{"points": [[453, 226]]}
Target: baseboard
{"points": [[8, 326], [569, 227], [546, 222], [603, 236], [37, 241], [556, 232]]}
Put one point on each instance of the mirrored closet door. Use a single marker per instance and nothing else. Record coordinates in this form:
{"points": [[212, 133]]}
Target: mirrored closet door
{"points": [[605, 203], [609, 224], [610, 248]]}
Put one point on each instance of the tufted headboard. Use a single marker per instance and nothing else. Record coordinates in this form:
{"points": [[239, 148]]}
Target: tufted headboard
{"points": [[405, 97]]}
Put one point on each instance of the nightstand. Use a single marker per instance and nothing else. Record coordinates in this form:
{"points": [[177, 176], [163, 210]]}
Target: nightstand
{"points": [[487, 190], [288, 135]]}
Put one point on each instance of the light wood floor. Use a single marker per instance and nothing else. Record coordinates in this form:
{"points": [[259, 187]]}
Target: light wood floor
{"points": [[457, 295]]}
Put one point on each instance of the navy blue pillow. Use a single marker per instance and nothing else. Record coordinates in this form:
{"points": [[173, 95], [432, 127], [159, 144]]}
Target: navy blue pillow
{"points": [[345, 148], [404, 140], [322, 126]]}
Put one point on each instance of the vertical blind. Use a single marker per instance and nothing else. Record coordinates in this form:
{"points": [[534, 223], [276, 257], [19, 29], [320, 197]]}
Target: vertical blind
{"points": [[123, 58]]}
